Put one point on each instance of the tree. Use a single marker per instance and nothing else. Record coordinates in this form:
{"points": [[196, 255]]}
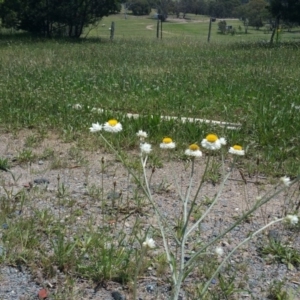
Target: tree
{"points": [[255, 12], [140, 7], [287, 10], [50, 17], [223, 8]]}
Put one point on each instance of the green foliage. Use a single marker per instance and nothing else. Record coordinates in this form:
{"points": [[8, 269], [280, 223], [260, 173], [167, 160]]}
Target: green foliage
{"points": [[55, 17], [287, 10], [140, 7], [222, 8], [281, 253], [222, 26], [277, 291], [255, 12], [4, 164]]}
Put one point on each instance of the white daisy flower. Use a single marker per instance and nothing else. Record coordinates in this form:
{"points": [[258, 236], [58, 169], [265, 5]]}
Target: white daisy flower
{"points": [[146, 148], [96, 127], [291, 219], [112, 126], [193, 150], [149, 243], [97, 110], [237, 150], [77, 106], [142, 134], [219, 251], [223, 141], [212, 142], [285, 180], [167, 143]]}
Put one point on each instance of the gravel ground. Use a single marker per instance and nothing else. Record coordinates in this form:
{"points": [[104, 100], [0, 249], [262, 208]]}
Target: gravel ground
{"points": [[17, 282]]}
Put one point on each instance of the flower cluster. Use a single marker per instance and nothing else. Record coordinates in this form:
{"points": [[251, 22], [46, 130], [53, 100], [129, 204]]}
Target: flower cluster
{"points": [[211, 142]]}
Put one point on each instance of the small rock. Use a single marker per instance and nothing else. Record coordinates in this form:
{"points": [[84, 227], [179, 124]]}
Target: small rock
{"points": [[43, 294], [117, 296], [113, 196], [150, 288], [41, 162], [41, 181], [5, 226]]}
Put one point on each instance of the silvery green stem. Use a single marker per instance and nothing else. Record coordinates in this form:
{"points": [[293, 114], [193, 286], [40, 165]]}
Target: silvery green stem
{"points": [[211, 206], [196, 195], [137, 270], [186, 199], [231, 253], [159, 218]]}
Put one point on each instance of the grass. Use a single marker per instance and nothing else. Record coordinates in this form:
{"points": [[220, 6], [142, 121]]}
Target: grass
{"points": [[248, 83], [194, 26]]}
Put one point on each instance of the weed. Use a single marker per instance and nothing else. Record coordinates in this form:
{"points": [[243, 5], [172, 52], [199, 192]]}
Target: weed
{"points": [[282, 253], [277, 291], [32, 141], [47, 153], [26, 156]]}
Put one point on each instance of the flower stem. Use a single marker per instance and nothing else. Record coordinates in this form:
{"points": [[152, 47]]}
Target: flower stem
{"points": [[231, 253]]}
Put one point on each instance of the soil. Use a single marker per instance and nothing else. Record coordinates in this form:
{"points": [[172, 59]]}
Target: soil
{"points": [[82, 169]]}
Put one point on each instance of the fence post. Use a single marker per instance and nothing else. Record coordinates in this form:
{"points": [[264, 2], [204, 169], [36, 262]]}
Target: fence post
{"points": [[161, 28], [157, 28], [209, 30], [112, 30]]}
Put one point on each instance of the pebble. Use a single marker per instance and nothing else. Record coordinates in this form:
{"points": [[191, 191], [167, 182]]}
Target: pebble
{"points": [[41, 181], [41, 162], [113, 196], [117, 296], [150, 288], [5, 226]]}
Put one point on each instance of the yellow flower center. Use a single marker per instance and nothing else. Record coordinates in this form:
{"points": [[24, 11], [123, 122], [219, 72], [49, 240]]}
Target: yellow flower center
{"points": [[167, 140], [112, 122], [211, 138], [237, 147], [194, 147]]}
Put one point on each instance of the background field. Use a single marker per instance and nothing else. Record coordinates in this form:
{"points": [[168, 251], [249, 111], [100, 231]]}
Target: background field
{"points": [[193, 26]]}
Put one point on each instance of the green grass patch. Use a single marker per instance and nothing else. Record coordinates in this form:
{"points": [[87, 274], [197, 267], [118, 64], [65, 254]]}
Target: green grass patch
{"points": [[253, 84]]}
